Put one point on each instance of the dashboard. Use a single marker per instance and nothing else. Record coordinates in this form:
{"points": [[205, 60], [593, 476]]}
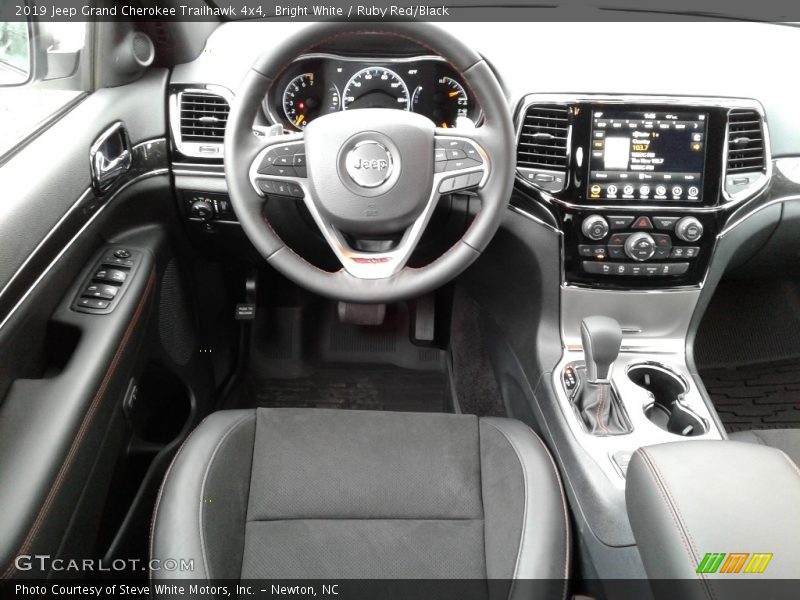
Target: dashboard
{"points": [[639, 175], [318, 84]]}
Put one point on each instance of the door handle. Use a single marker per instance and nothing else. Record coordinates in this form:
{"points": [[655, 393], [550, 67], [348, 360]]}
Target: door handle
{"points": [[110, 157]]}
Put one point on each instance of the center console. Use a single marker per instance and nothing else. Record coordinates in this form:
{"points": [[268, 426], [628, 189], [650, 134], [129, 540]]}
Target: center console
{"points": [[637, 183], [638, 190]]}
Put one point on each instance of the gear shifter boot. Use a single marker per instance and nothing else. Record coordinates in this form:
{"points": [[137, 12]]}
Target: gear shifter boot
{"points": [[596, 402], [600, 409]]}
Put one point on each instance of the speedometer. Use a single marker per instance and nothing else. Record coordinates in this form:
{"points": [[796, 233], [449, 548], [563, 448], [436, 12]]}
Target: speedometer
{"points": [[376, 87]]}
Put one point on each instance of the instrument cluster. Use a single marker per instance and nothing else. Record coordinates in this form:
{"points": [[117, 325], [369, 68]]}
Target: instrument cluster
{"points": [[318, 84]]}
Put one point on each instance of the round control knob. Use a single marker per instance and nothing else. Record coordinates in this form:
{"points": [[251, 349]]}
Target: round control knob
{"points": [[689, 229], [202, 210], [640, 246], [595, 227]]}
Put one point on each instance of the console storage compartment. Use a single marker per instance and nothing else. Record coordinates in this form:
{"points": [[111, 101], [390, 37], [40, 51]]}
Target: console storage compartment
{"points": [[690, 502]]}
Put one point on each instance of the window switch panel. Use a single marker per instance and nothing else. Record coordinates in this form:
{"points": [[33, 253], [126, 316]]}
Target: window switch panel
{"points": [[106, 282]]}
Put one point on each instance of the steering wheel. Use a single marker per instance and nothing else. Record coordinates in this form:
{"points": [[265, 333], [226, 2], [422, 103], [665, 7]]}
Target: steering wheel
{"points": [[371, 173]]}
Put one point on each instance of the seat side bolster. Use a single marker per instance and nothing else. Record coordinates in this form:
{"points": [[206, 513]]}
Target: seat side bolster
{"points": [[543, 551], [202, 504]]}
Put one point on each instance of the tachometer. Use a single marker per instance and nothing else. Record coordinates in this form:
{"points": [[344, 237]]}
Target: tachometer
{"points": [[302, 102], [375, 87]]}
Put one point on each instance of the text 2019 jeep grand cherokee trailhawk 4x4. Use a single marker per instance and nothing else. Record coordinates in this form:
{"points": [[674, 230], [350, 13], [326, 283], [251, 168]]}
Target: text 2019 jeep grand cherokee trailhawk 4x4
{"points": [[399, 309]]}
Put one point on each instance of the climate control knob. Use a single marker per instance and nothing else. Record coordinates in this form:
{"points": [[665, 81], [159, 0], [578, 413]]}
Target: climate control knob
{"points": [[595, 227], [640, 246], [689, 229], [202, 210]]}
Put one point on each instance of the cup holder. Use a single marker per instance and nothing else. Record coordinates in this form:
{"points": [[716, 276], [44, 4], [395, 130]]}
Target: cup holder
{"points": [[667, 390]]}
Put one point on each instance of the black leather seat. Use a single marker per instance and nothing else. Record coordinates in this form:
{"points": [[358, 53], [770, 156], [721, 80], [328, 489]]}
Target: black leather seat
{"points": [[787, 440], [312, 493]]}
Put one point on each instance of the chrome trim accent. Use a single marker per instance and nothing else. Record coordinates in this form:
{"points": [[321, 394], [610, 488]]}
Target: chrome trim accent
{"points": [[192, 148], [68, 245], [78, 203], [186, 169], [662, 316], [763, 180], [520, 121], [734, 224], [530, 217], [634, 399], [105, 172], [368, 265], [634, 99]]}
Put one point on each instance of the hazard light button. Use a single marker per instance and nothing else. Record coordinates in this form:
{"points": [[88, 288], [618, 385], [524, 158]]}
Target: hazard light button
{"points": [[642, 223]]}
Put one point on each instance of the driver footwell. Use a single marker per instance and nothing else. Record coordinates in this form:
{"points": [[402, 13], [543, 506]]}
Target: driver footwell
{"points": [[304, 357]]}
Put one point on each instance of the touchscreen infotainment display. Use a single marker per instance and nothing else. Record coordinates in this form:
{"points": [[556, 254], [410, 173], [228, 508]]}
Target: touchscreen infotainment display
{"points": [[647, 155]]}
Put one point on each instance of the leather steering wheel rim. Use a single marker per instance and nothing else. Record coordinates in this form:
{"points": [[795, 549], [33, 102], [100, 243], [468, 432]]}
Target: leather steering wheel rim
{"points": [[495, 138]]}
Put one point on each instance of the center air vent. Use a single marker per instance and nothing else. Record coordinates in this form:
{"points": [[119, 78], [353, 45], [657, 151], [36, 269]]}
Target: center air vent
{"points": [[542, 149], [202, 117], [746, 162]]}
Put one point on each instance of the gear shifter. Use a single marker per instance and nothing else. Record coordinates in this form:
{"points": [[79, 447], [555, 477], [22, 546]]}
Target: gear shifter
{"points": [[602, 338], [596, 402]]}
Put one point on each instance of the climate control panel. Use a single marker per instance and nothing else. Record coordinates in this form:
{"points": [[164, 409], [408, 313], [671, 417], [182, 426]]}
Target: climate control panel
{"points": [[658, 249]]}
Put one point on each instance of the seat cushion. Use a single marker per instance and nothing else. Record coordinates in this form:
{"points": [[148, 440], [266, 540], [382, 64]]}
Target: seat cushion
{"points": [[787, 440], [313, 493]]}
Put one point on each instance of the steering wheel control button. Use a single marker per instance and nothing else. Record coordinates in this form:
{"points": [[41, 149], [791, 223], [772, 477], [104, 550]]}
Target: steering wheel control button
{"points": [[642, 223], [295, 191], [460, 182], [458, 165], [299, 164], [281, 159], [267, 186], [472, 153], [595, 227], [279, 171], [111, 275], [369, 164], [689, 229]]}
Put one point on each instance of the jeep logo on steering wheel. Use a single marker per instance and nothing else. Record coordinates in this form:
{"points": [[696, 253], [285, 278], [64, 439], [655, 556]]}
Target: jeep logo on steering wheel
{"points": [[369, 164]]}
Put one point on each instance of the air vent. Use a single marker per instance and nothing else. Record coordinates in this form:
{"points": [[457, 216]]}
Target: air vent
{"points": [[542, 149], [747, 160], [203, 117], [745, 142]]}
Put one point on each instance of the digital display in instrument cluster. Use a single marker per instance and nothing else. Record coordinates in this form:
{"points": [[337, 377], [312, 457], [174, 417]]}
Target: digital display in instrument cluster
{"points": [[318, 85], [647, 155]]}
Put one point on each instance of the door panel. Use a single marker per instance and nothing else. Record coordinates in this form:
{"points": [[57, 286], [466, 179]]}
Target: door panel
{"points": [[64, 373]]}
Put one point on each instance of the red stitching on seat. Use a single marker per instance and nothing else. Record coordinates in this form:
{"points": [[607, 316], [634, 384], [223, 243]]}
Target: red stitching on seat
{"points": [[54, 488], [672, 507]]}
